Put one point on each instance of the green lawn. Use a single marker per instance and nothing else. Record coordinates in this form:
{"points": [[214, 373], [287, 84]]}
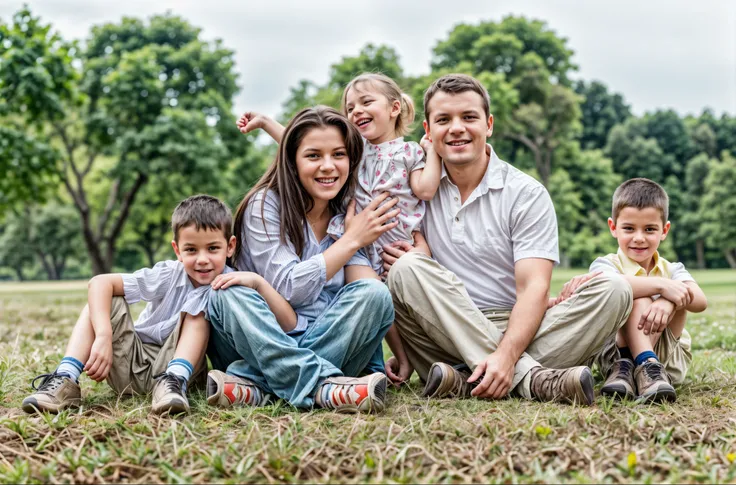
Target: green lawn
{"points": [[113, 439]]}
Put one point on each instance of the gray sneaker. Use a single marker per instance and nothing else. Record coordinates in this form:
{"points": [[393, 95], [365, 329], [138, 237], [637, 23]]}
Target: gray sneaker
{"points": [[169, 395], [226, 390], [653, 383], [620, 382], [572, 385], [353, 394], [444, 380], [56, 392]]}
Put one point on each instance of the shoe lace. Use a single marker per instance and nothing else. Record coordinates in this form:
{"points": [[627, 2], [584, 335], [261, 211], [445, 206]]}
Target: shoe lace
{"points": [[653, 371], [624, 368], [547, 384], [50, 382], [171, 382]]}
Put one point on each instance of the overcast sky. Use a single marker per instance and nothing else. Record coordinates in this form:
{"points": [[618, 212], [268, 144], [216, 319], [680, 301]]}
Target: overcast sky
{"points": [[657, 53]]}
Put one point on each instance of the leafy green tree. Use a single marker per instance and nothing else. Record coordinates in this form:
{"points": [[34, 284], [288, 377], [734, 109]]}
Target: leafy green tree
{"points": [[15, 252], [718, 207], [601, 111], [148, 100], [689, 229]]}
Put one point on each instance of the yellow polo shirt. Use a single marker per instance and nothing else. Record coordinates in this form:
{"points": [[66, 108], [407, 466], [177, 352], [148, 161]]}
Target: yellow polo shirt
{"points": [[622, 264]]}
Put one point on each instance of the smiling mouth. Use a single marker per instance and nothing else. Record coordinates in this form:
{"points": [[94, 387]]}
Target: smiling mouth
{"points": [[327, 181], [203, 271], [639, 249], [362, 122], [458, 143]]}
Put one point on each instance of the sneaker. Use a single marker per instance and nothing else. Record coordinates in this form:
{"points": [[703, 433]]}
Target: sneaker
{"points": [[620, 382], [353, 394], [653, 383], [226, 390], [444, 380], [572, 385], [56, 392], [169, 395]]}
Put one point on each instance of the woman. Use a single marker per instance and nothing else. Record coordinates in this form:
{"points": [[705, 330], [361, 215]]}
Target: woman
{"points": [[282, 228]]}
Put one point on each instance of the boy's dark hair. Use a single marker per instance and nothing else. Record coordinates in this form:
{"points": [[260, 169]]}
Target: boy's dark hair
{"points": [[204, 212], [456, 84], [640, 193]]}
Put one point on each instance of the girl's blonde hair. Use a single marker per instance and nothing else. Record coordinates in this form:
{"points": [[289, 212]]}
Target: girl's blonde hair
{"points": [[392, 91]]}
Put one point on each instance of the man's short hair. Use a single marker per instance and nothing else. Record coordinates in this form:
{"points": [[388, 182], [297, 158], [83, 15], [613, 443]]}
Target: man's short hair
{"points": [[640, 193], [456, 84], [204, 212]]}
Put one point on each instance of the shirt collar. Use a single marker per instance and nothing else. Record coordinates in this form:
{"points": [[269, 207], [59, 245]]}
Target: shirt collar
{"points": [[493, 178], [632, 268], [183, 278]]}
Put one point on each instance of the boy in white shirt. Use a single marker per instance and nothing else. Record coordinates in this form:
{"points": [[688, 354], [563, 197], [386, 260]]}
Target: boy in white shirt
{"points": [[165, 349], [652, 350]]}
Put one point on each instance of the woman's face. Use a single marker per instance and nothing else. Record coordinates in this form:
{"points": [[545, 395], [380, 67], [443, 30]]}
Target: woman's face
{"points": [[322, 163]]}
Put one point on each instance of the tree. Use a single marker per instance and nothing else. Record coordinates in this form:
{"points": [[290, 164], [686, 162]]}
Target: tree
{"points": [[15, 253], [149, 100], [718, 207], [601, 111]]}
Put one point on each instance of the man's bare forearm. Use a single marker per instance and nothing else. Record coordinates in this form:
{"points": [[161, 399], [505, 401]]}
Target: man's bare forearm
{"points": [[525, 319]]}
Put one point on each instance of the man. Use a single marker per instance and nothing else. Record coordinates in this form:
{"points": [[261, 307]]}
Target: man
{"points": [[482, 304]]}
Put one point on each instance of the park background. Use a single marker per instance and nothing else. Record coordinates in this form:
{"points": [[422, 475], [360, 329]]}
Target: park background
{"points": [[110, 113]]}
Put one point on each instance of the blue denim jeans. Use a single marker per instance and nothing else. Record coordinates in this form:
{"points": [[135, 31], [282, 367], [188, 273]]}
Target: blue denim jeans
{"points": [[247, 341]]}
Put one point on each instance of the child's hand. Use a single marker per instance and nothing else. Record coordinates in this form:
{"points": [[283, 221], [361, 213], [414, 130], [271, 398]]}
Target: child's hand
{"points": [[398, 372], [657, 317], [677, 292], [569, 288], [251, 121], [241, 278], [426, 144], [100, 358], [372, 221]]}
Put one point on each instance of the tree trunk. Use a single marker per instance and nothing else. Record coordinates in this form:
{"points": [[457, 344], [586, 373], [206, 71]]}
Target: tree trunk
{"points": [[730, 257], [19, 274], [700, 253], [49, 267]]}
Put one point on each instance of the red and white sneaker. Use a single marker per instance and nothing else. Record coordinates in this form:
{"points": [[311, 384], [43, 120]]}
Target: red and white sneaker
{"points": [[226, 390], [353, 394]]}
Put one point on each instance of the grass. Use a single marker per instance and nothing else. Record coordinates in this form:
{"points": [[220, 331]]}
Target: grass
{"points": [[416, 440]]}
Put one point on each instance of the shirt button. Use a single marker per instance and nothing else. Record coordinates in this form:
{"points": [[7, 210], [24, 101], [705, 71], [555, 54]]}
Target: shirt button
{"points": [[455, 199], [457, 219]]}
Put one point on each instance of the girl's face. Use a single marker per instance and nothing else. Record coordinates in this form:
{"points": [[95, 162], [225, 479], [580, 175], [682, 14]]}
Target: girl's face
{"points": [[372, 113], [322, 163]]}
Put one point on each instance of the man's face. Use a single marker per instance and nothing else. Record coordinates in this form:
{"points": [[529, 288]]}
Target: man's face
{"points": [[458, 127]]}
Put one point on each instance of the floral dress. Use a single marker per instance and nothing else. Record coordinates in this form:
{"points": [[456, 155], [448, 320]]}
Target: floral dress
{"points": [[386, 168]]}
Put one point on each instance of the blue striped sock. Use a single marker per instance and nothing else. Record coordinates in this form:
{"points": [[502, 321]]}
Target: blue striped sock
{"points": [[181, 368], [647, 354], [71, 367]]}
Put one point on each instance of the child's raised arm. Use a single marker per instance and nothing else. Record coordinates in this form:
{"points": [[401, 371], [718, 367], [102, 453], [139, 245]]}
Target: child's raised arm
{"points": [[424, 182], [252, 121], [284, 313]]}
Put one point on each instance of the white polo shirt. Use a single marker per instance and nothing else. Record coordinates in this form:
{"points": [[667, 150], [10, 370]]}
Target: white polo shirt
{"points": [[508, 217]]}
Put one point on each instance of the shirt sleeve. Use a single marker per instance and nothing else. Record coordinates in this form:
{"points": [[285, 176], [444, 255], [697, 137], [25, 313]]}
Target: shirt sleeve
{"points": [[415, 158], [534, 225], [679, 273], [299, 282], [150, 284], [603, 264], [359, 259], [197, 300]]}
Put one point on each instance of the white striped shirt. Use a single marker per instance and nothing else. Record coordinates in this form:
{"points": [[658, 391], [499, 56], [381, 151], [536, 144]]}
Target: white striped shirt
{"points": [[169, 292], [302, 281]]}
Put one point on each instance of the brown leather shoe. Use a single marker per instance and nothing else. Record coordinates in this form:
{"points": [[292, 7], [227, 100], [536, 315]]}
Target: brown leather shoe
{"points": [[653, 383], [56, 392], [444, 380], [620, 382], [572, 385]]}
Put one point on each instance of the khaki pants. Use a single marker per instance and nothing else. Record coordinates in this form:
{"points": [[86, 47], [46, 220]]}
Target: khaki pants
{"points": [[135, 363], [674, 354], [438, 321]]}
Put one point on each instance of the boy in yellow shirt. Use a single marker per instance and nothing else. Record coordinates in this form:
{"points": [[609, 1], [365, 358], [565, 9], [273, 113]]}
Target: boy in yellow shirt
{"points": [[652, 350]]}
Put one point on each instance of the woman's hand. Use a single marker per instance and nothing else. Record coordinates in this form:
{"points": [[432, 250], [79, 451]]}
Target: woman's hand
{"points": [[371, 222], [241, 278]]}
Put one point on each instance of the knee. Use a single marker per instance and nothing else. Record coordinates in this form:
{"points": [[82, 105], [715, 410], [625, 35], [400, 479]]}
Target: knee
{"points": [[235, 297], [406, 268], [641, 304], [617, 289], [375, 292]]}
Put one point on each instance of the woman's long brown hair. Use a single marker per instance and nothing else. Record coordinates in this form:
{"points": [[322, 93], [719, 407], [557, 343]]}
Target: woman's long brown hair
{"points": [[283, 179]]}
